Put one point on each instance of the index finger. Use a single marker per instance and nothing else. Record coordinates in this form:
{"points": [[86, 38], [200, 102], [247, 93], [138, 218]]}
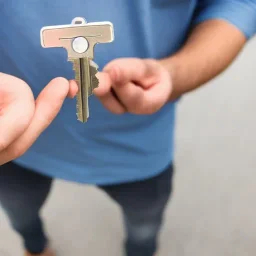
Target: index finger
{"points": [[123, 71]]}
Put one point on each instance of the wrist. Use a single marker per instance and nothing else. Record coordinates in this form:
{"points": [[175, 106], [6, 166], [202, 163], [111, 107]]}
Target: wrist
{"points": [[172, 66]]}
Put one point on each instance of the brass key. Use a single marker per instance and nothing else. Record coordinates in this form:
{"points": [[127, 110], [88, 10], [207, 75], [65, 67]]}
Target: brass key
{"points": [[79, 40]]}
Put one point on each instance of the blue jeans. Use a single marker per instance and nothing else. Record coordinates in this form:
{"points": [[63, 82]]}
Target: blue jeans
{"points": [[23, 192]]}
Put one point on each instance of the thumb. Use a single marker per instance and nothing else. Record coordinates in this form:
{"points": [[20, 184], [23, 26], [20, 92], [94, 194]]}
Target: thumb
{"points": [[104, 84], [48, 105]]}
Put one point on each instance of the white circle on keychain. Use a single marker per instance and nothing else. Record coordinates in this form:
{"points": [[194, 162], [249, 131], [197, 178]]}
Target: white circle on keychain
{"points": [[80, 44]]}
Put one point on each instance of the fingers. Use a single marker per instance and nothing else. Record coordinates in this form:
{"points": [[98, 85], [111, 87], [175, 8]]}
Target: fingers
{"points": [[117, 77], [142, 86], [111, 103], [131, 96], [48, 105], [127, 70], [105, 94], [136, 100], [16, 109], [130, 78]]}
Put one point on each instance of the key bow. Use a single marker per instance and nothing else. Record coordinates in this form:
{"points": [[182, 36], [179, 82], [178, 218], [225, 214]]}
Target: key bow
{"points": [[78, 34]]}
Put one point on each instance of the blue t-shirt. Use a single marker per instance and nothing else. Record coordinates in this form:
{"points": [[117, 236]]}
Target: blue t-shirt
{"points": [[109, 148]]}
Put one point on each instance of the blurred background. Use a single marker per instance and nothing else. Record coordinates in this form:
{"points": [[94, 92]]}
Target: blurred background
{"points": [[213, 208]]}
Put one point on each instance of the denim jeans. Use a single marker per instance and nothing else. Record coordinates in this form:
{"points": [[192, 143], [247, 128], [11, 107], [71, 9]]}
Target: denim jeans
{"points": [[23, 193]]}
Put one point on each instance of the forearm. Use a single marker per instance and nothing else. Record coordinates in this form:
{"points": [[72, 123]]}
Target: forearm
{"points": [[210, 49]]}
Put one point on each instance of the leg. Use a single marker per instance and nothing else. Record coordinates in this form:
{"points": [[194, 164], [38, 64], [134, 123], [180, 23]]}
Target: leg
{"points": [[22, 194], [143, 204]]}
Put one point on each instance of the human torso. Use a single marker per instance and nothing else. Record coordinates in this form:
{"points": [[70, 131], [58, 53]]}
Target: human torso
{"points": [[143, 29]]}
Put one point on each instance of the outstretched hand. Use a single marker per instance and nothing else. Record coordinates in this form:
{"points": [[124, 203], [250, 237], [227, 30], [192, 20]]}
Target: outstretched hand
{"points": [[22, 118]]}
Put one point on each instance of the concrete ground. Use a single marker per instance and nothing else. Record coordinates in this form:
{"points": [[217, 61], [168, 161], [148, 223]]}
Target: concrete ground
{"points": [[213, 208]]}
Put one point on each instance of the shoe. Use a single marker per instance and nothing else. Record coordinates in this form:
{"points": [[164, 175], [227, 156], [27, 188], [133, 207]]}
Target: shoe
{"points": [[47, 252]]}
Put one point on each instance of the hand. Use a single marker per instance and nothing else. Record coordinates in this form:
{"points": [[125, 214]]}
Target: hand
{"points": [[134, 85], [22, 119]]}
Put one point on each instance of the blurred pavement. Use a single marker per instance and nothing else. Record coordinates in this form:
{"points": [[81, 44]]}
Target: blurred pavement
{"points": [[213, 208]]}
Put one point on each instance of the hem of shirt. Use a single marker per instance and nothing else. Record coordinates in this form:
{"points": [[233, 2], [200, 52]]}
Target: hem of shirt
{"points": [[150, 172]]}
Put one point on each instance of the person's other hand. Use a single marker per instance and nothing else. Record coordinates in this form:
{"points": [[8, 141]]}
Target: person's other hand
{"points": [[22, 119], [134, 85]]}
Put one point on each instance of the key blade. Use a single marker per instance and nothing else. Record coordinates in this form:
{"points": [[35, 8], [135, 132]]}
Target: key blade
{"points": [[82, 77]]}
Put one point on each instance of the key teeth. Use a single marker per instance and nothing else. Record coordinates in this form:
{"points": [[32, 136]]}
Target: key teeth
{"points": [[94, 79]]}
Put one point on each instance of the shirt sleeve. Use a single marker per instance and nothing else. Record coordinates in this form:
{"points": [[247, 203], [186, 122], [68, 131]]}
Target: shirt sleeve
{"points": [[240, 13]]}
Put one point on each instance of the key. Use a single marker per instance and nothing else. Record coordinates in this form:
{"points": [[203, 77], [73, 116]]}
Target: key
{"points": [[79, 39]]}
